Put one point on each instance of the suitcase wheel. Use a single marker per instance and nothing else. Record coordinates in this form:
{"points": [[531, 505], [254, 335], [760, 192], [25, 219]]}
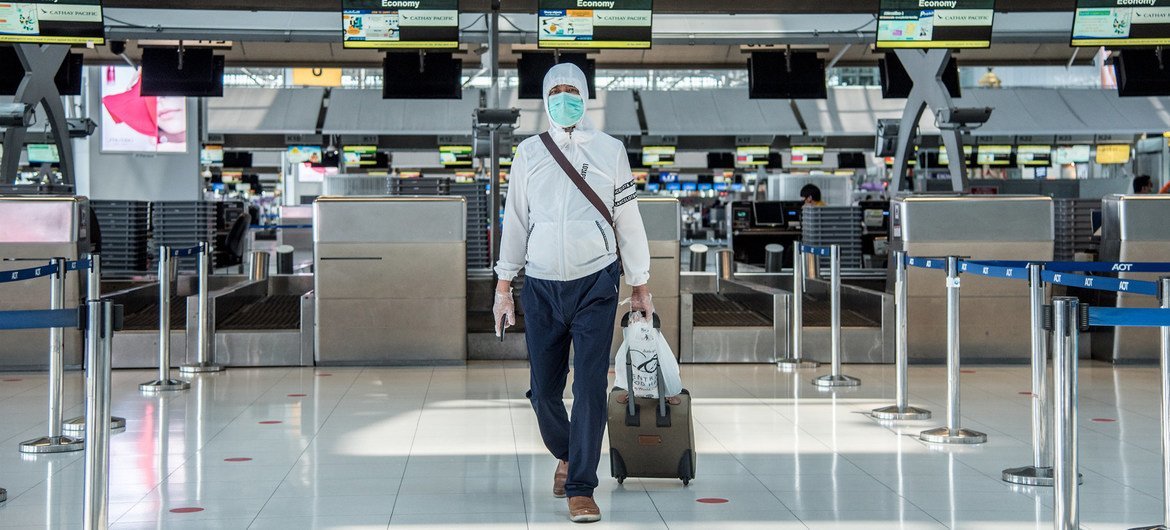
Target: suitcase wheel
{"points": [[686, 482], [621, 480], [617, 466]]}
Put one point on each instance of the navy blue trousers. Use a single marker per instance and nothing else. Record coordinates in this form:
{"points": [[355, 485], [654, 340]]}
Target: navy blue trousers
{"points": [[580, 312]]}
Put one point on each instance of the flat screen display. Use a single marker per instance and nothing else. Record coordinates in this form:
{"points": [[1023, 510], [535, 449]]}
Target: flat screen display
{"points": [[594, 23], [1112, 154], [1034, 155], [410, 24], [808, 155], [919, 24], [52, 22], [1121, 23], [658, 155], [751, 156], [531, 67], [133, 123], [211, 154], [359, 155], [433, 76], [299, 154], [1072, 154], [944, 160], [455, 155], [43, 154], [780, 75], [994, 155], [769, 213], [198, 73]]}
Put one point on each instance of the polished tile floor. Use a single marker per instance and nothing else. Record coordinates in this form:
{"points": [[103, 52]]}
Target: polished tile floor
{"points": [[444, 448]]}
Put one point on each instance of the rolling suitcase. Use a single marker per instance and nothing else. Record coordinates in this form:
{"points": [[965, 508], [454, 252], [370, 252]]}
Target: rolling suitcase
{"points": [[650, 438]]}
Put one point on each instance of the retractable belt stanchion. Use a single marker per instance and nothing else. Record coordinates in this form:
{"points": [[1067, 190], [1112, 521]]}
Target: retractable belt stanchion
{"points": [[1040, 472], [99, 335], [1065, 334], [76, 426], [901, 410], [164, 382], [56, 441], [1165, 409], [952, 433], [795, 359], [202, 340], [836, 378]]}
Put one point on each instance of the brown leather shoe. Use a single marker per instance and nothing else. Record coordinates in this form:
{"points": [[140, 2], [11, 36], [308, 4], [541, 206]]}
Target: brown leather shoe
{"points": [[559, 479], [583, 510]]}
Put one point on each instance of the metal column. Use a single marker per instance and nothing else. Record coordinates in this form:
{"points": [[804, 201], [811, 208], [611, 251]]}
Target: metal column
{"points": [[203, 339], [1040, 472], [795, 359], [836, 378], [901, 410], [56, 441], [1165, 367], [76, 426], [99, 335], [952, 433], [1066, 506], [164, 381]]}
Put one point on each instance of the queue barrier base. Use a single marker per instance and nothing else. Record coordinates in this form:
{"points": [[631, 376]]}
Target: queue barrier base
{"points": [[1155, 527], [943, 435], [3, 494], [164, 385], [896, 413], [200, 368], [52, 444], [792, 365], [77, 425], [834, 381], [1029, 476]]}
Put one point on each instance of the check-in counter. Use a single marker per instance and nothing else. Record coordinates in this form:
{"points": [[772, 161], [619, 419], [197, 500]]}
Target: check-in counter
{"points": [[33, 230], [994, 313], [662, 218], [1134, 228], [391, 280]]}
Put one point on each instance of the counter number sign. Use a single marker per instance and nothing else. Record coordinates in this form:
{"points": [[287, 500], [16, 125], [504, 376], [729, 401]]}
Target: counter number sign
{"points": [[403, 24], [622, 24]]}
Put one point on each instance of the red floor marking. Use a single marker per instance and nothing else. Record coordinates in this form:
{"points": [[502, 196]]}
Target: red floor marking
{"points": [[966, 371], [1024, 393], [324, 375], [297, 395], [12, 380], [270, 422], [186, 510], [712, 500], [238, 459], [1104, 420]]}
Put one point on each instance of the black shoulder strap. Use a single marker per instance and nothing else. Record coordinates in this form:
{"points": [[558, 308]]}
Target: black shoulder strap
{"points": [[576, 177]]}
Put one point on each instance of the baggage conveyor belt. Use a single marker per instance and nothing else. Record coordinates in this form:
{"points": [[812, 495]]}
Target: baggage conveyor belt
{"points": [[142, 314], [730, 310], [274, 312]]}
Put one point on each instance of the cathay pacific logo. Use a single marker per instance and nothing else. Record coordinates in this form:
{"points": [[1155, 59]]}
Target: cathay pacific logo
{"points": [[400, 3], [949, 4], [1136, 2], [594, 3]]}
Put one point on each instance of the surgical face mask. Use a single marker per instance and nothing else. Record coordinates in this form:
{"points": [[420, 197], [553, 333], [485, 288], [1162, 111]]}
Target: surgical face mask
{"points": [[566, 109]]}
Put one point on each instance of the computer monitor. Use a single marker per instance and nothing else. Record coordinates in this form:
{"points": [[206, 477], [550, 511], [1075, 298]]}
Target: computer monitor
{"points": [[769, 213]]}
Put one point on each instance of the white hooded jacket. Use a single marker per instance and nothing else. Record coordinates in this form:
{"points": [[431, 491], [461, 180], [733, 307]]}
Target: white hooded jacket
{"points": [[550, 228]]}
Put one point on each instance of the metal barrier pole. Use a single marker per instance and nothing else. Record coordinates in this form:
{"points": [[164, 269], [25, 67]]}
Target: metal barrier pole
{"points": [[795, 359], [1165, 365], [901, 410], [202, 340], [1040, 472], [99, 332], [836, 378], [56, 441], [952, 433], [93, 286], [1066, 513], [164, 382], [724, 267]]}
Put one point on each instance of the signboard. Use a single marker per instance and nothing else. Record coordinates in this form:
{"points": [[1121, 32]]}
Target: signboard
{"points": [[132, 123], [455, 155], [1112, 154], [300, 154], [211, 154], [43, 154], [944, 160], [1034, 155], [921, 24], [51, 22], [750, 156], [1072, 154], [658, 155], [994, 155], [594, 23], [810, 155], [1121, 23], [400, 24], [359, 155]]}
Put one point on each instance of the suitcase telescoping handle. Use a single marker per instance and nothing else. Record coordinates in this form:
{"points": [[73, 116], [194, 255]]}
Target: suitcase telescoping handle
{"points": [[662, 419]]}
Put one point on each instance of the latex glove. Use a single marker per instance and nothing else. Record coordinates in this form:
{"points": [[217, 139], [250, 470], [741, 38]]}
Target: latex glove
{"points": [[504, 306], [640, 301]]}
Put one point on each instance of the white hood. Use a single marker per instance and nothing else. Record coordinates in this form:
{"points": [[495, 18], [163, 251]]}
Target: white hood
{"points": [[567, 74]]}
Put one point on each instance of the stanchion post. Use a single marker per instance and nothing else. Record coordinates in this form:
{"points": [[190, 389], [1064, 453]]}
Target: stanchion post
{"points": [[836, 378], [901, 410], [1040, 472], [56, 441], [164, 382], [99, 332], [1164, 293], [953, 433], [93, 284], [795, 359], [202, 339], [1066, 506]]}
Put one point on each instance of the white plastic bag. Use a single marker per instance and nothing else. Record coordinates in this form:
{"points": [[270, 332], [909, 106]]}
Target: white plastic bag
{"points": [[648, 351]]}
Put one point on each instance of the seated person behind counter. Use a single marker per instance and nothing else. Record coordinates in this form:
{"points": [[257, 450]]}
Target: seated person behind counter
{"points": [[811, 195]]}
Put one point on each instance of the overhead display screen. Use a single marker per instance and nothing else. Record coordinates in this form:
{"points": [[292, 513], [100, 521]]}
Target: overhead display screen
{"points": [[455, 155], [1072, 154], [750, 156], [52, 22], [994, 155], [1112, 154], [1121, 23], [359, 155], [300, 154], [400, 23], [935, 23], [43, 154], [1034, 155], [658, 155], [595, 23], [809, 155]]}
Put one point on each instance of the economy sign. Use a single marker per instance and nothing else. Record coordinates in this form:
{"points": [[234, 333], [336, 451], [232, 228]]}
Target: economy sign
{"points": [[595, 23], [411, 24], [1121, 23], [64, 22], [921, 24]]}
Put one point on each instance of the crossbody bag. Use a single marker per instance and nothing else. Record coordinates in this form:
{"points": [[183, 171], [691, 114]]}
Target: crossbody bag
{"points": [[587, 191]]}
